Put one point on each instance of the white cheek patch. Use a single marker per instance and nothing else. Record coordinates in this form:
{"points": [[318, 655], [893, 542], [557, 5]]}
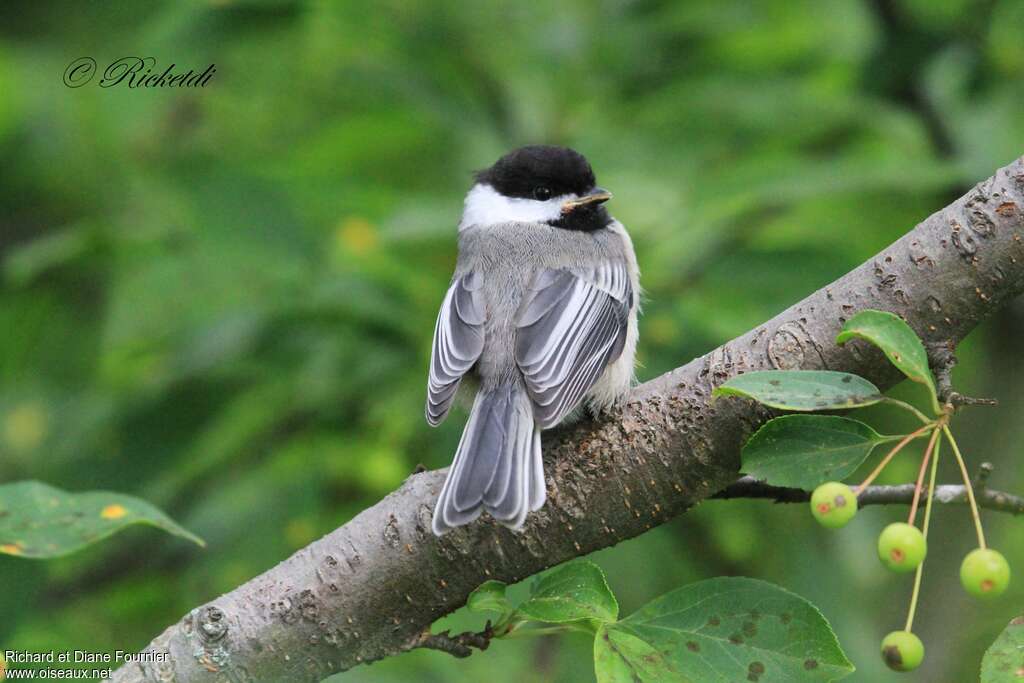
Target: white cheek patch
{"points": [[486, 206]]}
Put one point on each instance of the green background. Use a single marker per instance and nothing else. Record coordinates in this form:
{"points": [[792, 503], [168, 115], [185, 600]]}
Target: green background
{"points": [[221, 299]]}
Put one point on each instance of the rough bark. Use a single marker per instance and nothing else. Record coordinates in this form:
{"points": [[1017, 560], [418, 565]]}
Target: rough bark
{"points": [[369, 589]]}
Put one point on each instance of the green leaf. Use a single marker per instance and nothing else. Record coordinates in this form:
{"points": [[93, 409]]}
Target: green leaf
{"points": [[40, 521], [724, 629], [623, 658], [803, 389], [572, 591], [897, 340], [807, 450], [1004, 660], [489, 597]]}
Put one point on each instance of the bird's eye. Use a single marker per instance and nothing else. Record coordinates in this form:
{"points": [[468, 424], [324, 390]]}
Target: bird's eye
{"points": [[541, 193]]}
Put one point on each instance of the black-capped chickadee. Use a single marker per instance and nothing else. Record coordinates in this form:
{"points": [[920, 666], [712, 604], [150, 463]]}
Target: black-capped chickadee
{"points": [[542, 313]]}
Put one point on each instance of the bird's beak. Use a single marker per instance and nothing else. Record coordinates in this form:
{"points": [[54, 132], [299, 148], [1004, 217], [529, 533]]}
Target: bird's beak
{"points": [[596, 196]]}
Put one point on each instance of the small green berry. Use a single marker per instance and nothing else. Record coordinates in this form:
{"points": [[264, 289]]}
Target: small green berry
{"points": [[901, 547], [985, 573], [833, 504], [902, 651]]}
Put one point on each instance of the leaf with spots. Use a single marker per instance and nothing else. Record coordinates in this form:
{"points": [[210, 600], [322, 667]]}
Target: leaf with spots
{"points": [[803, 390], [570, 592], [39, 521], [1004, 660], [804, 451], [623, 658], [489, 597], [719, 631], [897, 340]]}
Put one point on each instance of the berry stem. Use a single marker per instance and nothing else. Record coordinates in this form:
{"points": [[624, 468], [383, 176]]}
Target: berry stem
{"points": [[896, 449], [920, 476], [924, 530], [906, 406], [967, 485]]}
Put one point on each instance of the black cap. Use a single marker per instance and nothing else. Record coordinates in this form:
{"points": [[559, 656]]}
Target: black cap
{"points": [[521, 172]]}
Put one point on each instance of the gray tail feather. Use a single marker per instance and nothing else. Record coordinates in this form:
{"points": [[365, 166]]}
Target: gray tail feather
{"points": [[498, 465]]}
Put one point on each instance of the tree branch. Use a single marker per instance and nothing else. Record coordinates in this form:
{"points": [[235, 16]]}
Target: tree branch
{"points": [[371, 588], [902, 494]]}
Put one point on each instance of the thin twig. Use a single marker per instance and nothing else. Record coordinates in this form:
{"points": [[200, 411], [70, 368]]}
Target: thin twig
{"points": [[959, 400], [901, 494], [460, 645], [942, 361]]}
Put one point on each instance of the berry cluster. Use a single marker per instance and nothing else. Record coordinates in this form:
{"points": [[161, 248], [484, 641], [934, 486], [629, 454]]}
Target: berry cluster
{"points": [[902, 546], [780, 450]]}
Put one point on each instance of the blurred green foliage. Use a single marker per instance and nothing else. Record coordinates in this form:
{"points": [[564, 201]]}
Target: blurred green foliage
{"points": [[221, 300], [40, 521]]}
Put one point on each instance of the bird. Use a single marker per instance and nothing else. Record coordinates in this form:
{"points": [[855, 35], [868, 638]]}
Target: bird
{"points": [[540, 318]]}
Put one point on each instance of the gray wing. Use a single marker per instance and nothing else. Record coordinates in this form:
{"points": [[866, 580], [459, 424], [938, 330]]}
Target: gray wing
{"points": [[572, 324], [458, 341]]}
